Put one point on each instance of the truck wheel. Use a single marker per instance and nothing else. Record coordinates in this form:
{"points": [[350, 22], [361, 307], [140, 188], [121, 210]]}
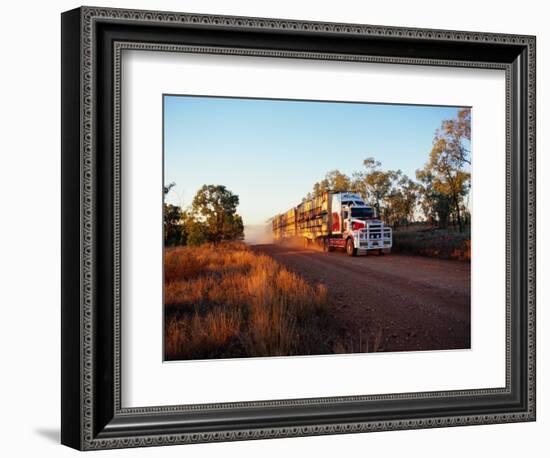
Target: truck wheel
{"points": [[350, 249]]}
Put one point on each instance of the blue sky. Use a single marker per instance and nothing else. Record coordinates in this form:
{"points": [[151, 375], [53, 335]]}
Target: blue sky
{"points": [[271, 152]]}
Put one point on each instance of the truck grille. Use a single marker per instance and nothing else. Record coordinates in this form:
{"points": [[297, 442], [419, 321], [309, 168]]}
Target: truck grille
{"points": [[375, 236]]}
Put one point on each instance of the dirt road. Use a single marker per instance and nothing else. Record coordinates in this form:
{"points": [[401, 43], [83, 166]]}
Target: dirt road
{"points": [[391, 302]]}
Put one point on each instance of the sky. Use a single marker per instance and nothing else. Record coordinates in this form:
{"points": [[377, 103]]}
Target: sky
{"points": [[271, 152]]}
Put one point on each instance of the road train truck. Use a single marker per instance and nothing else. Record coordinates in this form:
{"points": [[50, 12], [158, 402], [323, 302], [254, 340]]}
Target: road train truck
{"points": [[334, 220]]}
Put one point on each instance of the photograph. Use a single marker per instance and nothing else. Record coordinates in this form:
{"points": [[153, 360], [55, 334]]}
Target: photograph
{"points": [[313, 227]]}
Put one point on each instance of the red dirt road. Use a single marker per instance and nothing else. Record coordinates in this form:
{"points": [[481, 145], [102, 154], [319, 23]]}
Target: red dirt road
{"points": [[394, 302]]}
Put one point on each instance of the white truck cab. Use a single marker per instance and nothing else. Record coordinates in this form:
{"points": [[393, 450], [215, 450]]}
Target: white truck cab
{"points": [[358, 225]]}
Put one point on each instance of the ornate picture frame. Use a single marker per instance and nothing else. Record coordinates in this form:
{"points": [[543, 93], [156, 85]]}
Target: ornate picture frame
{"points": [[93, 416]]}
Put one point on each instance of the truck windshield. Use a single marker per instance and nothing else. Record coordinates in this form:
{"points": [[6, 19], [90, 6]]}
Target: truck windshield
{"points": [[362, 212]]}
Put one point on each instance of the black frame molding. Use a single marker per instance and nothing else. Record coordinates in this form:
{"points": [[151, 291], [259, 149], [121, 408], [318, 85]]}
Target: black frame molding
{"points": [[93, 40]]}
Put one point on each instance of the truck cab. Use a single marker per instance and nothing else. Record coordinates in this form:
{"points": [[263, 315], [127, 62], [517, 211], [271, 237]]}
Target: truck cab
{"points": [[358, 225]]}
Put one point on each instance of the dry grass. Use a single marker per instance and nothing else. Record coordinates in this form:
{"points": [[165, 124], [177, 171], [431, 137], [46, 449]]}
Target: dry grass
{"points": [[228, 301], [437, 243]]}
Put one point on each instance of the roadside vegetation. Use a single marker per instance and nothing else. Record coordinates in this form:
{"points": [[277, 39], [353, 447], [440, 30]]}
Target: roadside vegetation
{"points": [[211, 218], [225, 300], [444, 243]]}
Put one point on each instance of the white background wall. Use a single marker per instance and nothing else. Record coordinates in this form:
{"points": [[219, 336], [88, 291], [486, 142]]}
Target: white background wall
{"points": [[30, 240]]}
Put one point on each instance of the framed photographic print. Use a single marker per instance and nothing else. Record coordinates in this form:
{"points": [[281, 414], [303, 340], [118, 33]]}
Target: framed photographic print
{"points": [[279, 228]]}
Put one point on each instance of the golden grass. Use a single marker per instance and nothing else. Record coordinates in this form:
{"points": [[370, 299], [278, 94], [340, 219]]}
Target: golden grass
{"points": [[228, 301]]}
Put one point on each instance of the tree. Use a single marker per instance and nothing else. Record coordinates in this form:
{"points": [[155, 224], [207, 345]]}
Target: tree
{"points": [[320, 187], [374, 184], [215, 208], [335, 181], [449, 157], [212, 218], [168, 187], [434, 205], [196, 232], [457, 133], [174, 227], [400, 203], [173, 224], [338, 182]]}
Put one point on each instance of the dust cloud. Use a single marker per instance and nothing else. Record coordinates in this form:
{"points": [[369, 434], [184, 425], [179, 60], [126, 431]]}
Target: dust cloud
{"points": [[258, 234]]}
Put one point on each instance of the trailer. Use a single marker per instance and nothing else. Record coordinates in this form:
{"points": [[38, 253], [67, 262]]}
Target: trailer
{"points": [[334, 220]]}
